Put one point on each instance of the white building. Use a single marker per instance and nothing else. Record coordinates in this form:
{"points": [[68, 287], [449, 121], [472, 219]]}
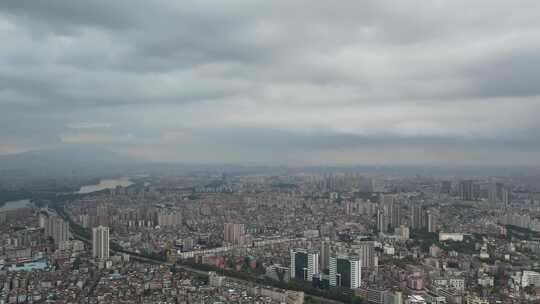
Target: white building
{"points": [[485, 281], [304, 264], [445, 236], [100, 243], [415, 299], [530, 278], [345, 271]]}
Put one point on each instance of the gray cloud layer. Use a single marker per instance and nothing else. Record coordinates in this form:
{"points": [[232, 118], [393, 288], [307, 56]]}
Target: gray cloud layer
{"points": [[422, 82]]}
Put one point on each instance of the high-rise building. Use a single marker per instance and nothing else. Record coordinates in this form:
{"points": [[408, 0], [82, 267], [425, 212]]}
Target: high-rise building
{"points": [[424, 219], [499, 188], [100, 242], [325, 253], [57, 229], [505, 196], [233, 234], [382, 220], [395, 220], [466, 190], [345, 271], [432, 220], [43, 220], [304, 264], [393, 210], [366, 252], [495, 192], [417, 217]]}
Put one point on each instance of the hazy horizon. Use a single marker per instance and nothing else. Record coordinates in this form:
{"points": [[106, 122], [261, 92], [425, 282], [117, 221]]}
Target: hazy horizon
{"points": [[280, 82]]}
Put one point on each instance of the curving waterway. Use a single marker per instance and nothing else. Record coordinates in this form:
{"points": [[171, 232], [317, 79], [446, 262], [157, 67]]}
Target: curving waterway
{"points": [[106, 184], [14, 205]]}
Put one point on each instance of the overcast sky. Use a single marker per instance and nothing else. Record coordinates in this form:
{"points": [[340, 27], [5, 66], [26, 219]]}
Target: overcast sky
{"points": [[276, 82]]}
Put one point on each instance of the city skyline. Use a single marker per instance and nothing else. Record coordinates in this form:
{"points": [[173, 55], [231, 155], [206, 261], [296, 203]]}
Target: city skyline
{"points": [[276, 152]]}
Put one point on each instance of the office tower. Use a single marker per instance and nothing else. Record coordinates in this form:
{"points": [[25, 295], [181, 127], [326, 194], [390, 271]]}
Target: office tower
{"points": [[505, 197], [366, 252], [395, 220], [382, 220], [100, 242], [57, 229], [393, 211], [233, 234], [432, 220], [325, 253], [495, 192], [304, 264], [466, 190], [499, 188], [417, 220], [345, 271]]}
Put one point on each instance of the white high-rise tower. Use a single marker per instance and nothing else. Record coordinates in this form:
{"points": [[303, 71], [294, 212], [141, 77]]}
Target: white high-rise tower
{"points": [[100, 242]]}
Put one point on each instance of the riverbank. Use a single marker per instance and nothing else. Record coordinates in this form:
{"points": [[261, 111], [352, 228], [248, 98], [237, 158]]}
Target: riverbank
{"points": [[14, 205], [105, 184]]}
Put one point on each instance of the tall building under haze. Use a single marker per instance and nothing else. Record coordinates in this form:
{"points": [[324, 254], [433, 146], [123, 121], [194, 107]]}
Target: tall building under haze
{"points": [[466, 190], [57, 229], [366, 252], [100, 243], [325, 253], [417, 217], [233, 234]]}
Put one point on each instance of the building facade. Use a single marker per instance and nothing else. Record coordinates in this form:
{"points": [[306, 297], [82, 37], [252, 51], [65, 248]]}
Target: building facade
{"points": [[345, 271], [304, 264], [100, 242]]}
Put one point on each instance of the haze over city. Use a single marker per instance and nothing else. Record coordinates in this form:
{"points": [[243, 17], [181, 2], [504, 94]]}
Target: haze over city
{"points": [[269, 152]]}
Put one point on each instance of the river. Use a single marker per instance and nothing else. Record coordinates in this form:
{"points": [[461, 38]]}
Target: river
{"points": [[14, 205], [106, 184]]}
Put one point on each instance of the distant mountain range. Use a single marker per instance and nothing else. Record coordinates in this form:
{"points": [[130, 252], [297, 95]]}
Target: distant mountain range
{"points": [[77, 161], [65, 161]]}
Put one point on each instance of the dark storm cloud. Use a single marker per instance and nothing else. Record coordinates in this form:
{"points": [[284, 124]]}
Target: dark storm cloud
{"points": [[316, 80]]}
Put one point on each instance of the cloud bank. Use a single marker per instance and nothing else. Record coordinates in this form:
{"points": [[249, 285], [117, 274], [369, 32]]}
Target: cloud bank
{"points": [[279, 82]]}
